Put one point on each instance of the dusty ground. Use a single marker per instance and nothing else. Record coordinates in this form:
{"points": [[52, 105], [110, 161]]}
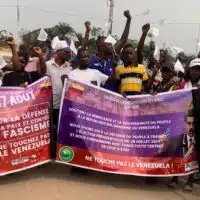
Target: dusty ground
{"points": [[57, 182]]}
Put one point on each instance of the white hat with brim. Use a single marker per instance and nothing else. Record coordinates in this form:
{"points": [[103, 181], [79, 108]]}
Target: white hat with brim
{"points": [[62, 45], [195, 62]]}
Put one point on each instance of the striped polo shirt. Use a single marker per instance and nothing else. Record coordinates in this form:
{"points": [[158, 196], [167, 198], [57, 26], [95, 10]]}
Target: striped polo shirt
{"points": [[131, 79]]}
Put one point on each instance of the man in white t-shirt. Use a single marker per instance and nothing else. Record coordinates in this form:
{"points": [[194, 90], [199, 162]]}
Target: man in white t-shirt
{"points": [[56, 68], [86, 75]]}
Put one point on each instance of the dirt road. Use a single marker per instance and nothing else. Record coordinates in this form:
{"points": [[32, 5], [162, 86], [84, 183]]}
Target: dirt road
{"points": [[57, 182]]}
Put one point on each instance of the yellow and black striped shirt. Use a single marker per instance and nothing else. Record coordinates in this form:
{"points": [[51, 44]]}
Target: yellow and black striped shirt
{"points": [[131, 79]]}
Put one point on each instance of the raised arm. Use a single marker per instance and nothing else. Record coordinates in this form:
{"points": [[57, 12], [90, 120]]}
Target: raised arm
{"points": [[85, 40], [43, 67], [145, 30], [15, 58], [125, 34]]}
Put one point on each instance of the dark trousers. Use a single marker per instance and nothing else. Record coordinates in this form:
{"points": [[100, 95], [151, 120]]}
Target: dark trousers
{"points": [[55, 119]]}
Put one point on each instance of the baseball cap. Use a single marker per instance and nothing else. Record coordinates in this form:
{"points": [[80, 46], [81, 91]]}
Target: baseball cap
{"points": [[195, 62], [62, 45]]}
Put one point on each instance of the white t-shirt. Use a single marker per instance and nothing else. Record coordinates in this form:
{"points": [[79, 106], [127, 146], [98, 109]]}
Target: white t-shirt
{"points": [[91, 76], [56, 72]]}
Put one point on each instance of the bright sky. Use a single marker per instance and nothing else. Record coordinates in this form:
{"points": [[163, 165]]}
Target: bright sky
{"points": [[75, 12]]}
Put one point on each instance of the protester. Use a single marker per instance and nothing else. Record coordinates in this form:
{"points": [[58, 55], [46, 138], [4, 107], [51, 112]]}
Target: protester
{"points": [[84, 73], [132, 78], [103, 61], [84, 43], [19, 77], [187, 148], [33, 60], [167, 83], [192, 77], [56, 68]]}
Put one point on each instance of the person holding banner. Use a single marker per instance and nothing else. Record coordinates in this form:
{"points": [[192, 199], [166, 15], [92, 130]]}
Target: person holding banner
{"points": [[19, 77], [191, 80], [188, 146], [56, 68]]}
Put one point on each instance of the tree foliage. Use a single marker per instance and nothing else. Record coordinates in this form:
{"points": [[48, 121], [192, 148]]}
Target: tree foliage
{"points": [[96, 31], [60, 30]]}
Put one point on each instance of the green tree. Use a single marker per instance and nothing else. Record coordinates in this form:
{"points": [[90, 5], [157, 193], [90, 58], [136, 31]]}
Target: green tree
{"points": [[95, 32], [79, 36], [92, 47], [3, 35], [185, 58], [61, 29]]}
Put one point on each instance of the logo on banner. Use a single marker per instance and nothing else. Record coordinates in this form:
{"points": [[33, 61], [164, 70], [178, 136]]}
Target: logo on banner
{"points": [[76, 90], [66, 154]]}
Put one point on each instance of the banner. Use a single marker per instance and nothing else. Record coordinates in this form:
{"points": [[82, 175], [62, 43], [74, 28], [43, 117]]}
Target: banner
{"points": [[24, 126], [143, 135]]}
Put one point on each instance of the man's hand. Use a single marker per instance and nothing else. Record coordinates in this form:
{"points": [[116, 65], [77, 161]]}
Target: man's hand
{"points": [[63, 77], [38, 51], [23, 85], [88, 26], [153, 93], [146, 28], [10, 41], [127, 14]]}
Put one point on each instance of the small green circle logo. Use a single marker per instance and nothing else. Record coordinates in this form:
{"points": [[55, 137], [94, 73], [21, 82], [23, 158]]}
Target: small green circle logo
{"points": [[66, 154]]}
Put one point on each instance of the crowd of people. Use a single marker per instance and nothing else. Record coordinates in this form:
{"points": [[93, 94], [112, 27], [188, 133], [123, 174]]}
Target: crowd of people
{"points": [[119, 68]]}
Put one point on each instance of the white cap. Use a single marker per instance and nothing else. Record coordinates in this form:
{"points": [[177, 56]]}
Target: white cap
{"points": [[62, 45], [195, 62]]}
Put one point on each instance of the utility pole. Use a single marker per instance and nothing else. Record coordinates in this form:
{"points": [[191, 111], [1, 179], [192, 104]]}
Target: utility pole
{"points": [[110, 22], [18, 13], [198, 39], [18, 22]]}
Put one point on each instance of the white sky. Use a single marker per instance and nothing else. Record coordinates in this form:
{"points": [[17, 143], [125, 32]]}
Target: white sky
{"points": [[78, 11]]}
